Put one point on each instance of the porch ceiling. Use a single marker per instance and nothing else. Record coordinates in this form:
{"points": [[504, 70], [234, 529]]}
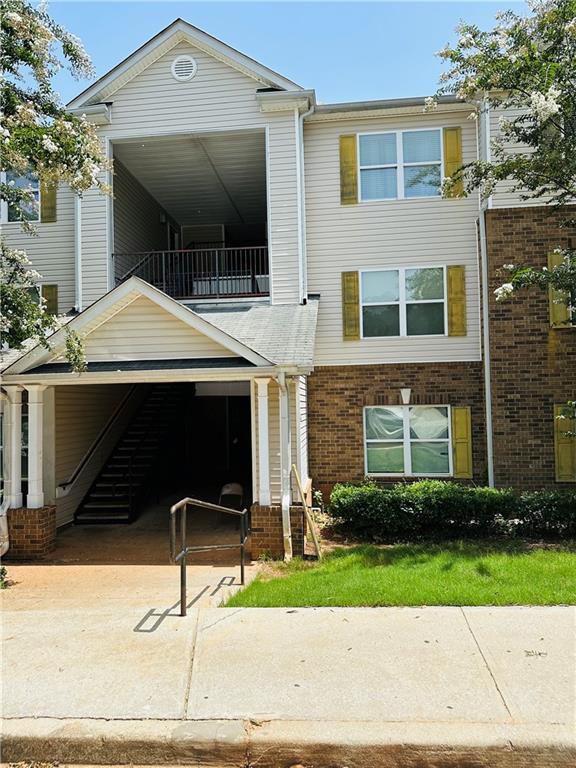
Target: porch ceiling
{"points": [[215, 178]]}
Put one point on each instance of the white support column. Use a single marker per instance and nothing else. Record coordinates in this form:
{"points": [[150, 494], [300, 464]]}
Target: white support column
{"points": [[285, 465], [35, 498], [264, 497], [14, 446]]}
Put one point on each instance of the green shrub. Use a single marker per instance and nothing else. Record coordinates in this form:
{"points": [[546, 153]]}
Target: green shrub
{"points": [[441, 509], [546, 513]]}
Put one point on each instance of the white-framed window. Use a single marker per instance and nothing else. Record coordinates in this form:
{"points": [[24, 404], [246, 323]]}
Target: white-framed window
{"points": [[400, 164], [412, 440], [30, 211], [404, 301]]}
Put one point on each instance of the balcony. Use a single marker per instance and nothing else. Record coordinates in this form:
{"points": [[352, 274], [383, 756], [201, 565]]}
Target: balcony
{"points": [[202, 273]]}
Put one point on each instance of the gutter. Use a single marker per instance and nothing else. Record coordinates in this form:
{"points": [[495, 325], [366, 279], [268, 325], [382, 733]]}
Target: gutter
{"points": [[301, 180], [285, 466], [484, 204]]}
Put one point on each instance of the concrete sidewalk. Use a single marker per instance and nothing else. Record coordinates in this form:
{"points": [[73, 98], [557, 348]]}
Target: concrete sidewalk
{"points": [[112, 674]]}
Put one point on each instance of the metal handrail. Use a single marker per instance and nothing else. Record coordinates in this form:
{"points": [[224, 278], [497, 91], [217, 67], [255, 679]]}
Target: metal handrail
{"points": [[180, 557]]}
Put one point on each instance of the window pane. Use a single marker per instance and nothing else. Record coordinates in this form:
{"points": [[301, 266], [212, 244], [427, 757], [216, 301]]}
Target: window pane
{"points": [[424, 284], [384, 423], [385, 457], [378, 184], [378, 149], [421, 146], [430, 458], [429, 423], [29, 210], [424, 319], [381, 321], [421, 180], [380, 286]]}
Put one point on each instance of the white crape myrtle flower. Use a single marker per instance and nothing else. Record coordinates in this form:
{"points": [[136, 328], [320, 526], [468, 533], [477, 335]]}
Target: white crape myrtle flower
{"points": [[49, 145], [504, 291], [545, 105], [430, 104], [508, 267]]}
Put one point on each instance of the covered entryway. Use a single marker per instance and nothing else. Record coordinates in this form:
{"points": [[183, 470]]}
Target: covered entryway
{"points": [[176, 400]]}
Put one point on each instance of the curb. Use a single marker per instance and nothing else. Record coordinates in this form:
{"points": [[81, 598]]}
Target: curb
{"points": [[282, 744]]}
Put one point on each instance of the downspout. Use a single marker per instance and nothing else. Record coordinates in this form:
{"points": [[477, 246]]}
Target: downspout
{"points": [[485, 114], [301, 181], [4, 533], [285, 459], [78, 252]]}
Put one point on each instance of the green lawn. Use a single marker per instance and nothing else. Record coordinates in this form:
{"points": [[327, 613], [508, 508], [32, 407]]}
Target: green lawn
{"points": [[456, 573]]}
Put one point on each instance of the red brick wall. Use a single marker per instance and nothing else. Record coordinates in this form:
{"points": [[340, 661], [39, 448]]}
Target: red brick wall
{"points": [[338, 394], [533, 365], [32, 533], [266, 531]]}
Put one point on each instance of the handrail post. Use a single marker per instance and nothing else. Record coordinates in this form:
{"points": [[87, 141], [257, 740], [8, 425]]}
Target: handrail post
{"points": [[183, 561], [164, 271]]}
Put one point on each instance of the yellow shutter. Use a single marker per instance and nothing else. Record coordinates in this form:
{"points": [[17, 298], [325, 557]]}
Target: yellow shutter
{"points": [[47, 202], [564, 447], [462, 441], [456, 279], [350, 306], [348, 170], [452, 139], [50, 293], [558, 300]]}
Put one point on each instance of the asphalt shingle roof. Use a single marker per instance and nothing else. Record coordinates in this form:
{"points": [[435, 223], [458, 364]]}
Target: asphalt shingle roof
{"points": [[282, 333]]}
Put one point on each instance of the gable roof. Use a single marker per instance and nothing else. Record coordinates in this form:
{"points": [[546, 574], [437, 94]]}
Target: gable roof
{"points": [[163, 42], [114, 302]]}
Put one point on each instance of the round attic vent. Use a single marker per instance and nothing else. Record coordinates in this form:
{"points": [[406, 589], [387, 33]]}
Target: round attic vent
{"points": [[184, 68]]}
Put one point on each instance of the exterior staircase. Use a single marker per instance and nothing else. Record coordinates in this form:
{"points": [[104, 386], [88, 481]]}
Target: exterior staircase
{"points": [[119, 487]]}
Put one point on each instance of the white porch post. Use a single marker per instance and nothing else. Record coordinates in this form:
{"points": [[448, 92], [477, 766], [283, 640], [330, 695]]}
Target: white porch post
{"points": [[263, 444], [14, 446], [285, 464], [35, 498]]}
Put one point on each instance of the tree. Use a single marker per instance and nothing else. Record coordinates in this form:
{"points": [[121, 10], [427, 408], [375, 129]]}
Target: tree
{"points": [[527, 66], [39, 139]]}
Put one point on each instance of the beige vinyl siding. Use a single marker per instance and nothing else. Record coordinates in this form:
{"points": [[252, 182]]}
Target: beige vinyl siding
{"points": [[301, 427], [81, 413], [418, 232], [96, 267], [217, 98], [51, 250], [137, 215], [503, 195], [144, 331]]}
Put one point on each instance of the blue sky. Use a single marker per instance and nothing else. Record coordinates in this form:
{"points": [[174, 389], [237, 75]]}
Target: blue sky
{"points": [[346, 51]]}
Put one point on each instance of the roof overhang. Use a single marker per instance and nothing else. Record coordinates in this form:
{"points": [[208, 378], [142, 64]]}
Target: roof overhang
{"points": [[177, 32], [99, 114], [278, 101], [167, 375], [385, 108]]}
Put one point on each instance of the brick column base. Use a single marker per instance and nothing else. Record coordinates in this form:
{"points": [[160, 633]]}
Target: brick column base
{"points": [[266, 531], [32, 533]]}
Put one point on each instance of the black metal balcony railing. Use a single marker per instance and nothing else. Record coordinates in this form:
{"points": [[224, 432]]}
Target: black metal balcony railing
{"points": [[207, 273]]}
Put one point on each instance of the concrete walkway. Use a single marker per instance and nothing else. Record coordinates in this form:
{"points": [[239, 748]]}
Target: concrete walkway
{"points": [[98, 667]]}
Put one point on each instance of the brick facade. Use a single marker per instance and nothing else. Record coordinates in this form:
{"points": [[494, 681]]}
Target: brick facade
{"points": [[533, 365], [32, 533], [337, 396], [266, 531]]}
